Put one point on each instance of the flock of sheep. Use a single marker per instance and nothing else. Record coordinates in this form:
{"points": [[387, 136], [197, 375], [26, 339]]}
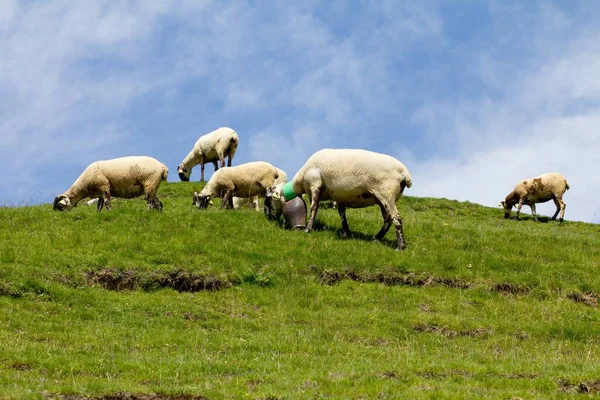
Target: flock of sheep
{"points": [[349, 177]]}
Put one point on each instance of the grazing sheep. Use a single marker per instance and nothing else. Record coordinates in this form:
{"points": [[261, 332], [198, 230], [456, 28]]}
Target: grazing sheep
{"points": [[125, 177], [212, 147], [245, 180], [551, 186], [352, 178]]}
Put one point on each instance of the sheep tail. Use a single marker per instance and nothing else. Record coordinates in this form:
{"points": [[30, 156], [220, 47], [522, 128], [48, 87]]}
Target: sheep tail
{"points": [[567, 185], [408, 181], [165, 173]]}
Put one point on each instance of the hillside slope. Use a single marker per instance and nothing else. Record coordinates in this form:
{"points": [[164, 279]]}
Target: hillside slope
{"points": [[226, 304]]}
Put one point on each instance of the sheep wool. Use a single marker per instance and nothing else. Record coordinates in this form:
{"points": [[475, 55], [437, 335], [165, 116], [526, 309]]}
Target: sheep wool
{"points": [[352, 178], [245, 180], [125, 177], [543, 188], [212, 147]]}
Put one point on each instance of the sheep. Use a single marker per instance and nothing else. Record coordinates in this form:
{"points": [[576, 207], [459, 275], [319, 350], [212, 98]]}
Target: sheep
{"points": [[353, 178], [245, 180], [550, 186], [252, 202], [212, 147], [125, 177]]}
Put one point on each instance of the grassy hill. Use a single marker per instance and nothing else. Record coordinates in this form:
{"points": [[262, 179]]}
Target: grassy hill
{"points": [[225, 304]]}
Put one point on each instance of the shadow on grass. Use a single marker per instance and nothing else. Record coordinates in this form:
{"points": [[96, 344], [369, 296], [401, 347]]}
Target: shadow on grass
{"points": [[319, 226]]}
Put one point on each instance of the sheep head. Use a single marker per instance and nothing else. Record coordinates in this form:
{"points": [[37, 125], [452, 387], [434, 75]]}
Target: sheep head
{"points": [[201, 201], [274, 202], [507, 208], [62, 203], [184, 173]]}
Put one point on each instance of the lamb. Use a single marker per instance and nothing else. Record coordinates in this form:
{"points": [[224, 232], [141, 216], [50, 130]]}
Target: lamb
{"points": [[212, 147], [551, 186], [125, 177], [245, 180], [353, 178]]}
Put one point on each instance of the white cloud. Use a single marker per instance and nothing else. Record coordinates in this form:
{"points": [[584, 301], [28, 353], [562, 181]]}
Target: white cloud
{"points": [[544, 119]]}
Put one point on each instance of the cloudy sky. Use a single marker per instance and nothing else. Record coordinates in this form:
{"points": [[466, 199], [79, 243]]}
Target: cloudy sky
{"points": [[471, 95]]}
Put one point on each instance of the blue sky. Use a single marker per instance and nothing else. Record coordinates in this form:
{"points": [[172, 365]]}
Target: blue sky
{"points": [[471, 95]]}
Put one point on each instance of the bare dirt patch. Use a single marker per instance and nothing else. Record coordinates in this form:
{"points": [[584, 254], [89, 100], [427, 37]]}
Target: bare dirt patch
{"points": [[587, 298], [392, 278], [452, 333], [511, 288], [126, 396], [582, 387], [179, 280], [22, 366]]}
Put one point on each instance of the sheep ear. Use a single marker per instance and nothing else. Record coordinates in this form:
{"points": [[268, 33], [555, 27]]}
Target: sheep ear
{"points": [[212, 203], [276, 195]]}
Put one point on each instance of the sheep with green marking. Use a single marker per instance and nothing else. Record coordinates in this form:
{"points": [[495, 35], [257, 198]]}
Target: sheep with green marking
{"points": [[354, 179]]}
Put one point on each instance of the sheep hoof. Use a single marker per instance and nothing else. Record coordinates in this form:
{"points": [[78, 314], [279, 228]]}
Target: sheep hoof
{"points": [[307, 230], [401, 247]]}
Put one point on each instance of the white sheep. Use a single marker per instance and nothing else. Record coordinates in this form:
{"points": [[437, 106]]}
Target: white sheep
{"points": [[125, 177], [252, 202], [551, 186], [245, 180], [352, 178], [212, 147]]}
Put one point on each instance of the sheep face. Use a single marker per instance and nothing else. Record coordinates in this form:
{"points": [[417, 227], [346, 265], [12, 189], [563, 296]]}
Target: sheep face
{"points": [[507, 209], [184, 173], [62, 203], [201, 201], [273, 202]]}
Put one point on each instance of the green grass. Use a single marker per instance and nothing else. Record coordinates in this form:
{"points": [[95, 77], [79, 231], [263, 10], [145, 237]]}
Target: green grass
{"points": [[225, 304]]}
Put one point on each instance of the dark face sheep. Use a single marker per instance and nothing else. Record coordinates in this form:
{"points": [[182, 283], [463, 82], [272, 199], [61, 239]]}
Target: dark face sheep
{"points": [[273, 207], [201, 201], [62, 203], [183, 173]]}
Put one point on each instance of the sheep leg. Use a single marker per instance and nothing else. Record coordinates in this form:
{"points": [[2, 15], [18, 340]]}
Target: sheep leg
{"points": [[397, 221], [563, 205], [387, 223], [314, 207], [229, 161], [222, 161], [100, 203], [533, 212], [390, 212], [519, 209], [106, 201], [216, 165], [560, 207], [345, 227], [201, 172], [226, 200]]}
